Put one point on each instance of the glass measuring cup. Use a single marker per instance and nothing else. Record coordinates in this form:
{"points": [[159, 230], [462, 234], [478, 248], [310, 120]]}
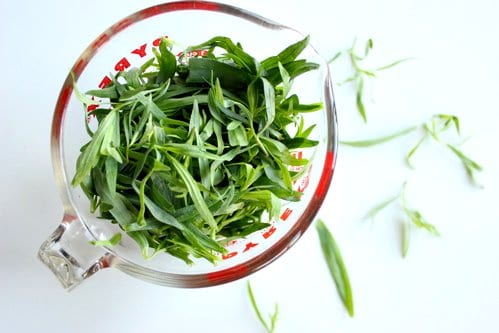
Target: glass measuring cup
{"points": [[68, 252]]}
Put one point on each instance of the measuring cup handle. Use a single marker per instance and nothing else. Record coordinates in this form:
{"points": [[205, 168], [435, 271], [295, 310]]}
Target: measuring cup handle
{"points": [[69, 254]]}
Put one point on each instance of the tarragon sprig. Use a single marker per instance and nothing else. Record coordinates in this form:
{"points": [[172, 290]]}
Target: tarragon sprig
{"points": [[361, 73], [411, 218], [270, 325], [432, 129], [187, 156]]}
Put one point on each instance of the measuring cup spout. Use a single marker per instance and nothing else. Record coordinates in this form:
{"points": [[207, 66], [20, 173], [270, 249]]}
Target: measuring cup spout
{"points": [[70, 256]]}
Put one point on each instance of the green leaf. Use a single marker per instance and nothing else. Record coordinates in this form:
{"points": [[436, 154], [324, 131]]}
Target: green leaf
{"points": [[419, 221], [333, 58], [368, 47], [91, 153], [108, 242], [191, 233], [120, 209], [237, 134], [108, 92], [413, 151], [392, 64], [358, 99], [405, 237], [286, 81], [234, 52], [150, 106], [378, 208], [141, 239], [87, 101], [167, 62], [376, 141], [269, 93], [111, 173], [273, 318], [336, 266], [448, 121], [194, 193], [204, 71], [294, 69], [469, 165], [287, 55]]}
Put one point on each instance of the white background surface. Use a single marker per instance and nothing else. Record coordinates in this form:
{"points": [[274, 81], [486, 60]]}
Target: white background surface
{"points": [[446, 284]]}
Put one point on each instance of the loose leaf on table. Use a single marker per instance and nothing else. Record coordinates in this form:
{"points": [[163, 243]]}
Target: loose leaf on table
{"points": [[269, 326], [409, 218], [361, 74], [383, 139], [469, 165], [336, 265], [378, 208]]}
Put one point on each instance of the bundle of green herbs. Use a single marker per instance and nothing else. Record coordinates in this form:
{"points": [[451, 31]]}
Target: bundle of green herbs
{"points": [[191, 153]]}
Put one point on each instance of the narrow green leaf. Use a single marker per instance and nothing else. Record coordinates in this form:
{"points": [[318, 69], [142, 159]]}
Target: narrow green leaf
{"points": [[269, 93], [413, 151], [108, 92], [205, 70], [234, 51], [274, 317], [286, 81], [90, 155], [376, 141], [141, 239], [287, 55], [358, 98], [405, 237], [419, 221], [166, 60], [194, 193], [108, 242], [151, 107], [269, 328], [190, 232], [111, 173], [83, 98], [237, 135], [393, 64], [333, 58], [469, 165], [186, 149], [378, 208], [336, 266], [368, 47]]}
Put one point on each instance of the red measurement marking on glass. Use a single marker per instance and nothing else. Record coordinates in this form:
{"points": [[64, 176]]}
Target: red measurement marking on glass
{"points": [[249, 246], [286, 213], [269, 232], [229, 255], [298, 155], [194, 53]]}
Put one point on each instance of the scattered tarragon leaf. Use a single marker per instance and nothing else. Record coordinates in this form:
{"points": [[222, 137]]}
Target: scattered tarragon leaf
{"points": [[431, 129], [269, 326], [336, 266], [383, 139], [410, 218], [360, 73]]}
